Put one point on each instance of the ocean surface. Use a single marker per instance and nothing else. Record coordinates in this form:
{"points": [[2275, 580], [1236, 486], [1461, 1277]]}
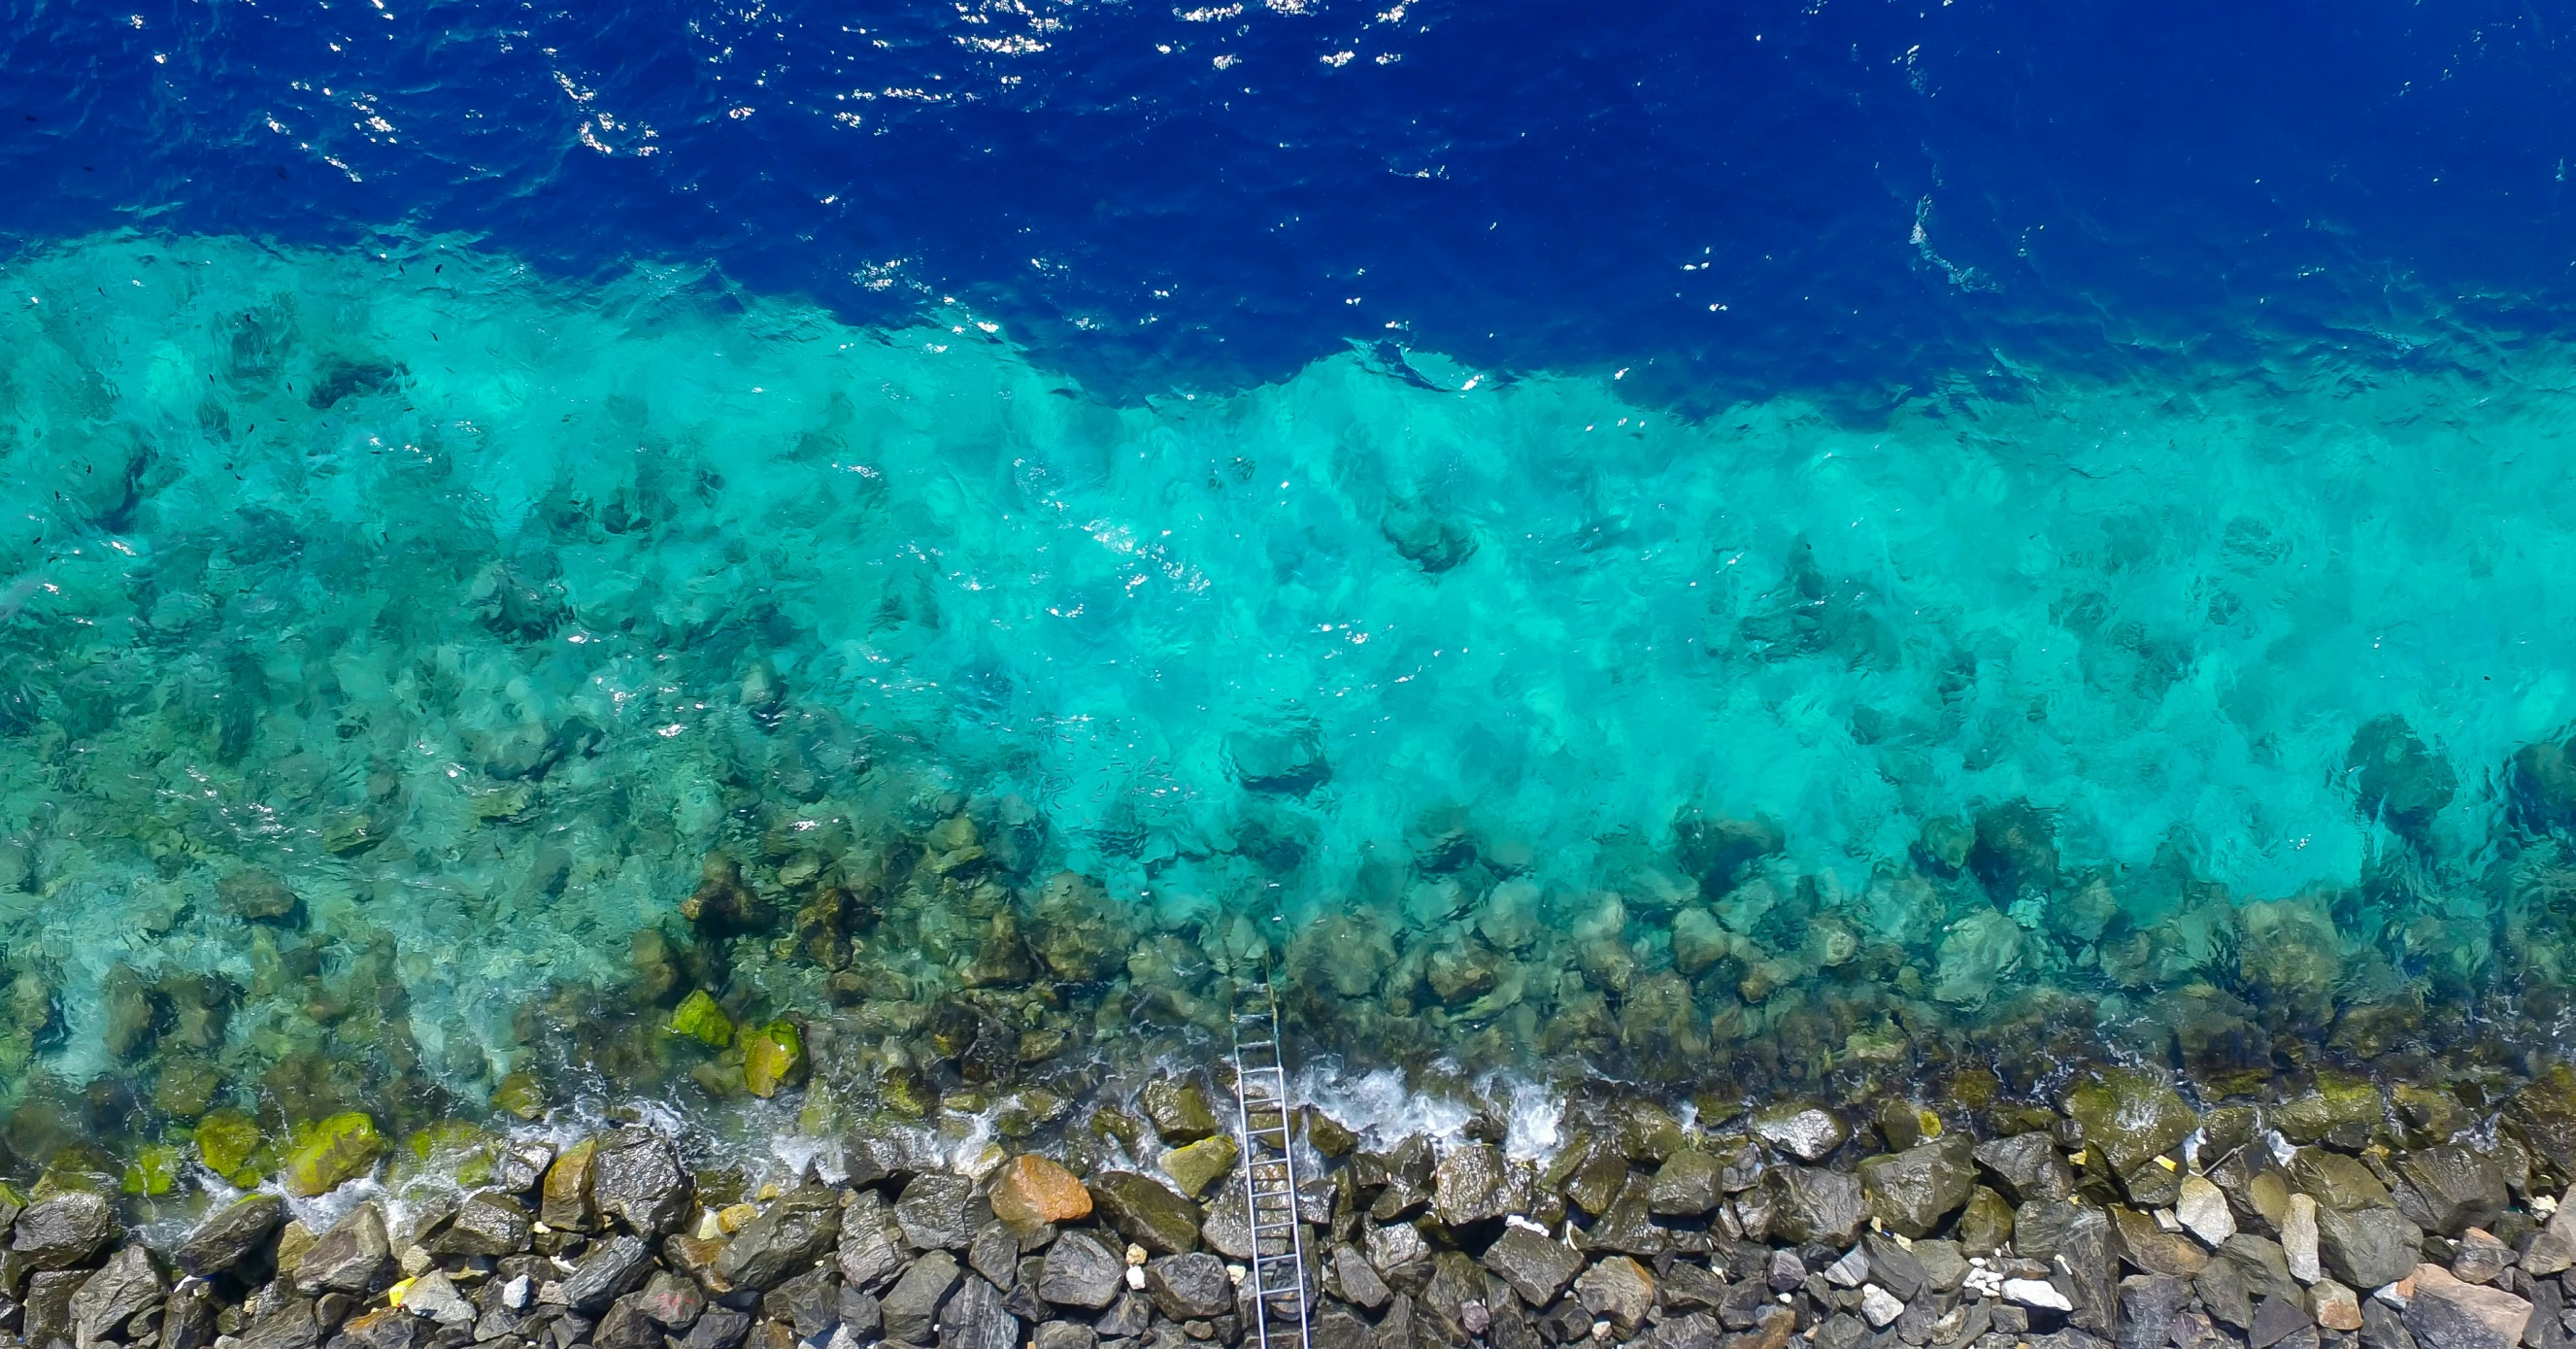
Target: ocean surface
{"points": [[1706, 544]]}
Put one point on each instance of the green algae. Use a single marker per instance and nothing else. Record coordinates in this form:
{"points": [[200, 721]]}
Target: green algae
{"points": [[227, 1141], [699, 1018], [773, 1058], [329, 1152]]}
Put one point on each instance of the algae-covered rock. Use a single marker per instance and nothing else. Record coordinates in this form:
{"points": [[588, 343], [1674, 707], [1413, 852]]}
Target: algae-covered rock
{"points": [[1177, 1109], [2545, 1111], [2130, 1114], [1196, 1166], [1985, 1222], [1146, 1211], [699, 1018], [226, 1141], [154, 1169], [520, 1094], [2292, 955], [773, 1057], [2342, 1110], [331, 1152]]}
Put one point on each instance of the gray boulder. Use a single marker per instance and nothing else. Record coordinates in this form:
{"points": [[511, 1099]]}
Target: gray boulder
{"points": [[608, 1269], [2445, 1313], [2458, 1188], [66, 1230], [1080, 1272], [637, 1179], [1537, 1267], [228, 1237], [912, 1305], [939, 1211], [1686, 1185], [348, 1256], [489, 1223], [115, 1295], [976, 1319], [1912, 1191], [1812, 1204], [2027, 1168], [789, 1235], [1190, 1287], [2367, 1248]]}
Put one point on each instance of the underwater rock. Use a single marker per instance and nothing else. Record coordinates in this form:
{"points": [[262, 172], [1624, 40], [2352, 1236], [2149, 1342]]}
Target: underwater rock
{"points": [[1076, 931], [2292, 955], [701, 1019], [773, 1058], [1716, 851], [1284, 758], [2396, 778], [256, 895], [2131, 1114], [723, 905], [1974, 957], [2015, 852], [331, 1152]]}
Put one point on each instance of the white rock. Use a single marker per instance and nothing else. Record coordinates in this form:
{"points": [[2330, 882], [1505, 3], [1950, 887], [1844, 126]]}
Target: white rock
{"points": [[1880, 1307], [2299, 1239], [1136, 1277], [2202, 1210], [1850, 1271], [2037, 1293], [515, 1293]]}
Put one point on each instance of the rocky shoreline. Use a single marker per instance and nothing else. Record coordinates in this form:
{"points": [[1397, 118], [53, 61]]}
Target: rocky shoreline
{"points": [[2116, 1213]]}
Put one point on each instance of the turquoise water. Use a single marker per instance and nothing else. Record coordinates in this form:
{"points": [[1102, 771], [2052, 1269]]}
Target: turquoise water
{"points": [[477, 611]]}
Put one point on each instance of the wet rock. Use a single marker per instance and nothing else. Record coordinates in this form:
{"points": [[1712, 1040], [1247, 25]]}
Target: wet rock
{"points": [[867, 1257], [1177, 1109], [2130, 1114], [188, 1316], [2148, 1246], [1396, 1245], [2342, 1111], [810, 1301], [2544, 1110], [1189, 1287], [1032, 1190], [1914, 1190], [912, 1304], [256, 895], [995, 1254], [637, 1179], [2337, 1181], [348, 1256], [1686, 1185], [1358, 1279], [773, 1058], [488, 1223], [1146, 1211], [230, 1235], [1069, 1335], [1808, 1133], [115, 1295], [1081, 1272], [2027, 1168], [1537, 1267], [2459, 1188], [2396, 779], [610, 1268], [289, 1327], [2444, 1313], [331, 1153], [566, 1203], [1473, 1184], [1813, 1204], [2202, 1208], [1619, 1290], [433, 1296], [1196, 1166], [671, 1301], [1985, 1224], [66, 1230], [939, 1210], [719, 1328], [788, 1236]]}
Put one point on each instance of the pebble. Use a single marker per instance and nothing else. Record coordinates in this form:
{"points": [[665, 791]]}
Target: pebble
{"points": [[1879, 1307]]}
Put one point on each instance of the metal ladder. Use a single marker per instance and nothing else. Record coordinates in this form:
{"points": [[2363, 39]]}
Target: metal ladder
{"points": [[1262, 1124]]}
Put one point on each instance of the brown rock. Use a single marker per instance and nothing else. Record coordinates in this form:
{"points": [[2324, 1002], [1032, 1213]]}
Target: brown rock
{"points": [[1032, 1191]]}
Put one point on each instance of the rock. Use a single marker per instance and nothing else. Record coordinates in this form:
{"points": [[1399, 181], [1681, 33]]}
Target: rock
{"points": [[2337, 1181], [796, 1230], [2027, 1167], [622, 1326], [1686, 1185], [115, 1295], [1359, 1279], [862, 1316], [1808, 1133], [1618, 1289], [867, 1257], [995, 1254], [289, 1327], [1699, 942], [2399, 781], [1985, 1224], [2545, 1112], [2222, 1290], [2444, 1313], [1537, 1267], [773, 1058], [1473, 1184], [230, 1235], [1177, 1109], [566, 1202], [2553, 1248], [1914, 1190], [2203, 1210], [2275, 1320], [1189, 1287], [2262, 1265], [939, 1211], [671, 1301], [434, 1297], [2337, 1307], [2151, 1248], [348, 1256], [1196, 1166], [607, 1269], [2130, 1114], [912, 1304], [1816, 1205], [637, 1179], [2299, 1239], [719, 1328], [521, 1165], [488, 1223], [65, 1230], [332, 1152], [2039, 1293], [1032, 1190], [1127, 1317], [2343, 1111], [188, 1316], [2459, 1188], [2148, 1306], [1069, 1335], [383, 1328], [258, 896], [2480, 1257], [810, 1301], [701, 1019], [2383, 1327], [1395, 1246], [1879, 1307], [1976, 955], [1145, 1211]]}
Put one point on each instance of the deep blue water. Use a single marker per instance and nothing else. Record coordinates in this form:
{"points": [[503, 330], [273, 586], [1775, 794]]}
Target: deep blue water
{"points": [[1156, 195]]}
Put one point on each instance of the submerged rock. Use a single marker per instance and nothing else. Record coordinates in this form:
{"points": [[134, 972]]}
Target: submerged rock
{"points": [[332, 1152], [2131, 1114]]}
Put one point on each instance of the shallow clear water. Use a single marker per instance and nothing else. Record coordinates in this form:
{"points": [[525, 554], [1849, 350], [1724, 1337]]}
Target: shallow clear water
{"points": [[476, 610]]}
